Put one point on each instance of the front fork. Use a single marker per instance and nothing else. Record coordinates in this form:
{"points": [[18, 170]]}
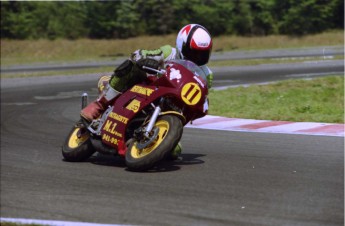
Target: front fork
{"points": [[152, 122], [148, 134], [153, 118]]}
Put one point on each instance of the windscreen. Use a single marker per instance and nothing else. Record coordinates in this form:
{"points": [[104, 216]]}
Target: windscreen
{"points": [[192, 67]]}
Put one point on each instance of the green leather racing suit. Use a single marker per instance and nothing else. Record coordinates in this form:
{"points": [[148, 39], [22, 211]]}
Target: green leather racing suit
{"points": [[127, 75]]}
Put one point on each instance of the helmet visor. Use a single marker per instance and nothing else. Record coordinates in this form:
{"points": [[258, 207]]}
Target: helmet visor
{"points": [[200, 57]]}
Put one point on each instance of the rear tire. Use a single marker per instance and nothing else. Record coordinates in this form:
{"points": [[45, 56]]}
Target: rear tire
{"points": [[77, 149], [170, 132]]}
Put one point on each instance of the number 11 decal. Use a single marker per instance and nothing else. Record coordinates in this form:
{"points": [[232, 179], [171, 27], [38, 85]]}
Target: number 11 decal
{"points": [[191, 93]]}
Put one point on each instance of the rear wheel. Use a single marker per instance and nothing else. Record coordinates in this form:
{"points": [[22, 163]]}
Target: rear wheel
{"points": [[77, 146], [170, 130]]}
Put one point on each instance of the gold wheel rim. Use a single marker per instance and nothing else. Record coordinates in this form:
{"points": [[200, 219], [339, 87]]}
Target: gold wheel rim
{"points": [[74, 141], [163, 131]]}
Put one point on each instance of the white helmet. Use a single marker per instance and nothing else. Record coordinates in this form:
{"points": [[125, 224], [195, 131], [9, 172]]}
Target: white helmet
{"points": [[194, 43]]}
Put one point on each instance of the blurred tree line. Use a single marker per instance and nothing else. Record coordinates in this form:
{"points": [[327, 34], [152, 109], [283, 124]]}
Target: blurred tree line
{"points": [[129, 18]]}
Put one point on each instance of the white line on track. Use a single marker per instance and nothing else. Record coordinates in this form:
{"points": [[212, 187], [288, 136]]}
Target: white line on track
{"points": [[18, 103], [53, 223]]}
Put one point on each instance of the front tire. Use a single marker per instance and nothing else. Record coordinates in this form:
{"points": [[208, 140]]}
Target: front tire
{"points": [[170, 132], [77, 146]]}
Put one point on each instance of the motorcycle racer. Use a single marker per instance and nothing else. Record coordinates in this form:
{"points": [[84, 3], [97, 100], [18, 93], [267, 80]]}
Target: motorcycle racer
{"points": [[193, 43]]}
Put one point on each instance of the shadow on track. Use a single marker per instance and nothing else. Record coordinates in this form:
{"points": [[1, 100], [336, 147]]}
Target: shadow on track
{"points": [[163, 166]]}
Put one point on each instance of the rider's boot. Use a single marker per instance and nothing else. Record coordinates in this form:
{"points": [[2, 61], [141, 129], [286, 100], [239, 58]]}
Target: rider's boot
{"points": [[176, 152], [97, 107]]}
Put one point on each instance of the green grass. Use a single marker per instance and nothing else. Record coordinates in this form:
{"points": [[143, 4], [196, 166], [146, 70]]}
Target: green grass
{"points": [[249, 62], [317, 100], [108, 70], [17, 224], [100, 71], [33, 51]]}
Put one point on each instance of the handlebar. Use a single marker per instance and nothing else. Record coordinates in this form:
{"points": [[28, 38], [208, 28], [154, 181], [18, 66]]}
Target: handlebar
{"points": [[161, 71]]}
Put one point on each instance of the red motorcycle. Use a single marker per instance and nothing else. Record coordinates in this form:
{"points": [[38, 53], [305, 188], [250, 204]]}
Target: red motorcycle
{"points": [[146, 122]]}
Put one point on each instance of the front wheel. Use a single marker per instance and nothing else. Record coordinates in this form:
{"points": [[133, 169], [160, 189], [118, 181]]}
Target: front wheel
{"points": [[77, 146], [170, 130]]}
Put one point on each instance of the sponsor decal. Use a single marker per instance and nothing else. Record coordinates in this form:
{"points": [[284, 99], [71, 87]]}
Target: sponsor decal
{"points": [[142, 90], [203, 44], [134, 106], [110, 127], [118, 117], [175, 74], [199, 81], [191, 93], [110, 139]]}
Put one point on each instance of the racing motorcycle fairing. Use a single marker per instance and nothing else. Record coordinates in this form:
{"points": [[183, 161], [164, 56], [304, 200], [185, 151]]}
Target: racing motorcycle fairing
{"points": [[183, 84]]}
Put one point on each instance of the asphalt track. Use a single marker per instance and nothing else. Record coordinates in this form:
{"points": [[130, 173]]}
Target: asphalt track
{"points": [[323, 52], [223, 178]]}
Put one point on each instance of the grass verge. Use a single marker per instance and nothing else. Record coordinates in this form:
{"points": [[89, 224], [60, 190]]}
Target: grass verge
{"points": [[18, 224], [316, 100], [49, 51], [109, 70], [100, 71]]}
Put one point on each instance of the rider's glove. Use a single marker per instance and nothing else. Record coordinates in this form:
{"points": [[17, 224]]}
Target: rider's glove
{"points": [[151, 63]]}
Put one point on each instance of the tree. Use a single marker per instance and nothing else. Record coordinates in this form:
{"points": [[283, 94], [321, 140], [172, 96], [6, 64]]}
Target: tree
{"points": [[125, 18], [216, 16], [156, 16], [101, 18], [16, 19], [306, 17], [338, 14], [263, 20], [242, 22], [126, 21]]}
